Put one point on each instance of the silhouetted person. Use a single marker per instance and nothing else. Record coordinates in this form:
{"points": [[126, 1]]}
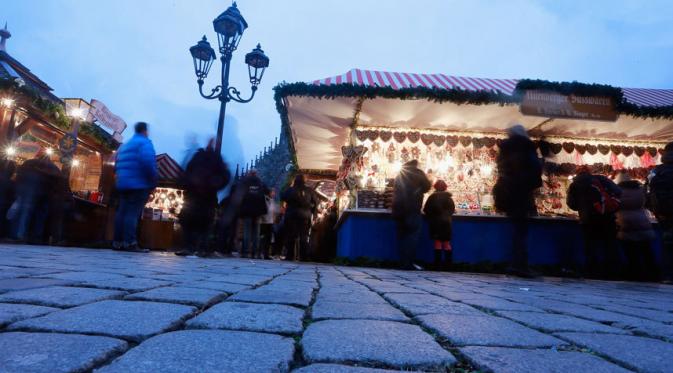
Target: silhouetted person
{"points": [[7, 191], [267, 222], [595, 198], [660, 200], [252, 208], [302, 203], [205, 175], [438, 211], [634, 230], [136, 171], [519, 175], [410, 186]]}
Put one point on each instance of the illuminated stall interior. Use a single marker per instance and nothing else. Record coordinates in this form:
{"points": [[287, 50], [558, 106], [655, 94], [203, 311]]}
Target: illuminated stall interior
{"points": [[364, 125]]}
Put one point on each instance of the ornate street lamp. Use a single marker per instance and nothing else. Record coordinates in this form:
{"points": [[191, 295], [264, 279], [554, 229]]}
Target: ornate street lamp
{"points": [[229, 27]]}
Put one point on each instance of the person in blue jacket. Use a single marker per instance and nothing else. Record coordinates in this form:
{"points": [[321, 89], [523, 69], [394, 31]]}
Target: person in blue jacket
{"points": [[136, 177]]}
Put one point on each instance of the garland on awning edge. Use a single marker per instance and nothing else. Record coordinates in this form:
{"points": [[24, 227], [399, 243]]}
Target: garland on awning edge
{"points": [[461, 96]]}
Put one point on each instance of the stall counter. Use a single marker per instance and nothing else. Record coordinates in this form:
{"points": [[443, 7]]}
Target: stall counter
{"points": [[476, 239]]}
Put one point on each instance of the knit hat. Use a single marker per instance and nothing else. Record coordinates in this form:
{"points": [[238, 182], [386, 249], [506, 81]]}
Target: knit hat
{"points": [[440, 186], [517, 130]]}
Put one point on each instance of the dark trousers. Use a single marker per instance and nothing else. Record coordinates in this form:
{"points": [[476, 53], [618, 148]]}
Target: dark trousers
{"points": [[519, 255], [131, 204], [297, 229], [600, 248], [265, 238], [408, 234], [667, 248], [640, 261]]}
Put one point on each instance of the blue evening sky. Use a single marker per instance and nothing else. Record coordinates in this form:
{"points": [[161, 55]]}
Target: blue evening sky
{"points": [[133, 55]]}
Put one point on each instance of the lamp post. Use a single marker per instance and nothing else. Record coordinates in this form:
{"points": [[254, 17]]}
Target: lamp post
{"points": [[77, 110], [8, 104], [229, 27]]}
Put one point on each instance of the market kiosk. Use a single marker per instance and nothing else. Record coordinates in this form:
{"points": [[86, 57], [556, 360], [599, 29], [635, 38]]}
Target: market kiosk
{"points": [[364, 125]]}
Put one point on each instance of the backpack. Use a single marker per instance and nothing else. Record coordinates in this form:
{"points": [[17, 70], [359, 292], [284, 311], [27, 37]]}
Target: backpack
{"points": [[603, 202]]}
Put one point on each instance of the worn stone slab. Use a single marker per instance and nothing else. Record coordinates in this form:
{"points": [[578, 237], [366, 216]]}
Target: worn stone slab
{"points": [[59, 296], [323, 309], [224, 287], [640, 353], [127, 283], [268, 294], [514, 360], [485, 330], [51, 352], [15, 284], [10, 312], [372, 341], [500, 304], [83, 276], [336, 368], [131, 320], [191, 351], [270, 318], [661, 316], [551, 322], [358, 296], [422, 304], [181, 295], [245, 279]]}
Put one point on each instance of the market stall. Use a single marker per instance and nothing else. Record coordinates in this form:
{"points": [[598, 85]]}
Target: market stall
{"points": [[73, 135], [365, 124], [158, 227]]}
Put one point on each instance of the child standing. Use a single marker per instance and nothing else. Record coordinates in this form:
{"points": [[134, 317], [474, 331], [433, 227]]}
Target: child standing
{"points": [[438, 210]]}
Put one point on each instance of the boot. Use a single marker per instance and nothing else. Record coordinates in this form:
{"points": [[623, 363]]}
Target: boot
{"points": [[448, 260], [438, 260]]}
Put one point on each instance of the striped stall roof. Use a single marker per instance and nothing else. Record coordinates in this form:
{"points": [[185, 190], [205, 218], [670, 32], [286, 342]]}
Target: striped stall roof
{"points": [[638, 96], [168, 169]]}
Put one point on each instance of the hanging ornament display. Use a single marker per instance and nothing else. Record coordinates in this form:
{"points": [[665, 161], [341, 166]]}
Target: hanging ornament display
{"points": [[400, 136], [452, 141], [361, 135], [385, 135], [592, 149], [615, 149], [413, 136], [603, 149], [372, 135], [568, 147], [465, 141], [404, 154], [438, 139], [415, 152], [390, 153], [426, 139], [581, 149]]}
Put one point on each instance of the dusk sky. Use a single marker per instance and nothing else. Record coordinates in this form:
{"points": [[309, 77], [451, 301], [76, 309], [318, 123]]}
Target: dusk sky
{"points": [[133, 55]]}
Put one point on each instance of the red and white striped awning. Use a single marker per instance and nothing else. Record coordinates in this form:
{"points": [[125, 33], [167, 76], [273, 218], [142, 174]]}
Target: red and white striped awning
{"points": [[638, 96], [168, 169]]}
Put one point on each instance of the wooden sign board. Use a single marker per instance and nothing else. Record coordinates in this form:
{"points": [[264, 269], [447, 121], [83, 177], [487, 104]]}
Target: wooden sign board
{"points": [[555, 105]]}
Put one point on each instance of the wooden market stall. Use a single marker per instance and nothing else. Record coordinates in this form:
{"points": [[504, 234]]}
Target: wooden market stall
{"points": [[158, 227], [363, 125], [33, 119]]}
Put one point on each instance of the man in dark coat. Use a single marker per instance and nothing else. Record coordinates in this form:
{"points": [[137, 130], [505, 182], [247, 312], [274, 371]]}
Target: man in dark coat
{"points": [[660, 200], [599, 229], [205, 175], [410, 186], [302, 203], [253, 206], [519, 175]]}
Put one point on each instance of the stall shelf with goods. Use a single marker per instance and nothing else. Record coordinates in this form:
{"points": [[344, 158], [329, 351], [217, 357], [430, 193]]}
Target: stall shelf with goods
{"points": [[364, 125], [158, 227]]}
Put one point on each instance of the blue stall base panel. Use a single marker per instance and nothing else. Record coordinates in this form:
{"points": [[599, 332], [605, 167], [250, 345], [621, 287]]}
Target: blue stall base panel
{"points": [[476, 239]]}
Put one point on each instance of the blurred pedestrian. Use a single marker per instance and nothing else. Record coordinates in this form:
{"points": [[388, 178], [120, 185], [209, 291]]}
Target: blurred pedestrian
{"points": [[61, 206], [634, 230], [136, 176], [7, 191], [438, 211], [267, 223], [34, 179], [660, 200], [596, 199], [301, 206], [252, 208], [519, 175], [205, 175], [410, 186]]}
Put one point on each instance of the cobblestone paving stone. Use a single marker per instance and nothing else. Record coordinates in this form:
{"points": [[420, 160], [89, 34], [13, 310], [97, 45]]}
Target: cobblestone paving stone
{"points": [[314, 318]]}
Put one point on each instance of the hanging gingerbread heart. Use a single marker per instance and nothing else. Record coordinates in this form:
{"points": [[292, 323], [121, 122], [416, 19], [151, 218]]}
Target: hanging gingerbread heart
{"points": [[604, 149], [385, 135], [639, 150], [568, 147], [426, 138], [413, 136], [555, 148], [372, 135], [617, 149], [652, 150], [452, 141], [361, 135], [400, 136], [465, 140], [477, 143], [439, 139], [489, 142], [592, 149], [627, 150], [581, 148]]}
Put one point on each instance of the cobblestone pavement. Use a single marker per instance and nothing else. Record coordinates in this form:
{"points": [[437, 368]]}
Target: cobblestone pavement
{"points": [[75, 310]]}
